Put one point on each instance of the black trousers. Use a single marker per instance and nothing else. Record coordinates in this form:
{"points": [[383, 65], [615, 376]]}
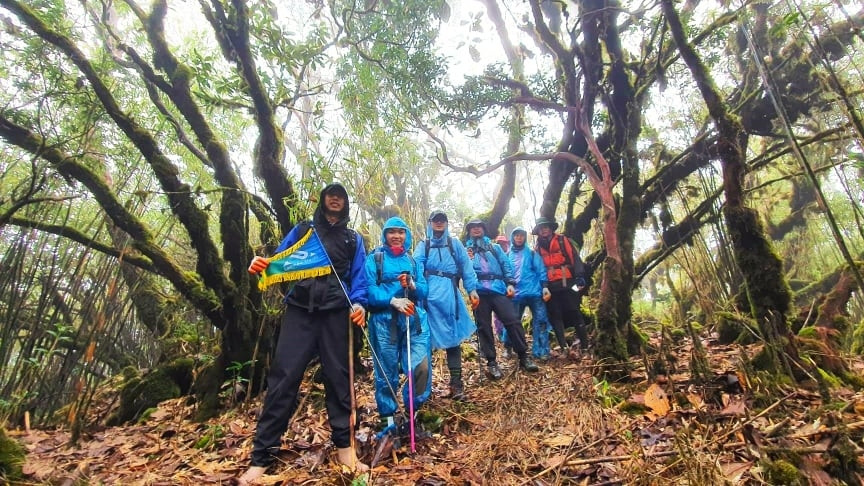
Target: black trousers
{"points": [[303, 336], [503, 308], [564, 312]]}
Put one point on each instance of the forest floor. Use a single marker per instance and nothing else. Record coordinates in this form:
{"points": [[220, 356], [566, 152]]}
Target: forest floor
{"points": [[558, 426]]}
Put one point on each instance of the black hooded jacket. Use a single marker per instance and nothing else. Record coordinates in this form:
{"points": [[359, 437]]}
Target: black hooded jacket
{"points": [[341, 243]]}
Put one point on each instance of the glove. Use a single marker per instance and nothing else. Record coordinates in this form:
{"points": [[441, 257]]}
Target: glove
{"points": [[258, 264], [403, 305], [358, 315], [510, 291], [579, 284], [406, 281], [475, 299], [546, 294]]}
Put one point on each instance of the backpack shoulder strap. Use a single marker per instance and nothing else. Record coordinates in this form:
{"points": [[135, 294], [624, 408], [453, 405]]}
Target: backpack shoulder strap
{"points": [[562, 245], [450, 247], [379, 266]]}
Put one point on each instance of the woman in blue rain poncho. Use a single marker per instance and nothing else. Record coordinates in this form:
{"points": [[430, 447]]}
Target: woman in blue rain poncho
{"points": [[396, 289], [531, 290]]}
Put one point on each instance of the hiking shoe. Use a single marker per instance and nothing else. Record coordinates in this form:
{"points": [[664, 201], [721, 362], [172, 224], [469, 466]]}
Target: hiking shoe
{"points": [[457, 391], [527, 365], [493, 371]]}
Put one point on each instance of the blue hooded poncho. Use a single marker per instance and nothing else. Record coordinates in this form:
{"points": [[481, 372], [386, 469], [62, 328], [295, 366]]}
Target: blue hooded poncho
{"points": [[444, 265], [528, 268], [388, 329]]}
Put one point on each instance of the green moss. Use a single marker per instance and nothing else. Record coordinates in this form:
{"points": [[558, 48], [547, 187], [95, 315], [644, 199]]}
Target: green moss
{"points": [[782, 472], [764, 360], [809, 332], [843, 463], [142, 393], [430, 421], [829, 378], [181, 75], [857, 381], [129, 372], [762, 268], [11, 457], [145, 415], [633, 408], [678, 335], [639, 336], [181, 370], [731, 328]]}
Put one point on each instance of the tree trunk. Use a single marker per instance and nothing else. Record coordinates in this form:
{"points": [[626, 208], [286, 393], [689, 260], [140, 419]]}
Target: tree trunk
{"points": [[762, 269]]}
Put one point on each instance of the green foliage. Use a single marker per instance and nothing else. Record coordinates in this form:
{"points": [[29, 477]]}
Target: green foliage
{"points": [[605, 394], [209, 440]]}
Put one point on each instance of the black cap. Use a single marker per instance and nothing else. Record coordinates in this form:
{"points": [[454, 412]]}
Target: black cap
{"points": [[438, 215], [544, 221], [476, 222]]}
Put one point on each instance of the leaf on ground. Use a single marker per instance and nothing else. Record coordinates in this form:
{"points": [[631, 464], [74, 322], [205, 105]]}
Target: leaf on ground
{"points": [[734, 471], [554, 461], [658, 400], [812, 468], [735, 407], [561, 440]]}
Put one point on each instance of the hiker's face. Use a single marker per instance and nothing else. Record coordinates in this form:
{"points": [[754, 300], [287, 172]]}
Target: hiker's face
{"points": [[476, 231], [439, 224], [395, 236], [334, 203], [518, 239], [545, 231]]}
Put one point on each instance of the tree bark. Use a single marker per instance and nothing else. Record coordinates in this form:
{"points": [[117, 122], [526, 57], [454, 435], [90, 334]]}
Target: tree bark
{"points": [[762, 269]]}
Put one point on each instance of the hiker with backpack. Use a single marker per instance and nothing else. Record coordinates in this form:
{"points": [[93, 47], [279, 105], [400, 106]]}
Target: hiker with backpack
{"points": [[445, 263], [315, 323], [397, 322], [531, 290], [495, 289], [568, 281]]}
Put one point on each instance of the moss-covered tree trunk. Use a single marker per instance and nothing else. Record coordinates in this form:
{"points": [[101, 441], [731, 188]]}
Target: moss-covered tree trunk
{"points": [[217, 285], [761, 267]]}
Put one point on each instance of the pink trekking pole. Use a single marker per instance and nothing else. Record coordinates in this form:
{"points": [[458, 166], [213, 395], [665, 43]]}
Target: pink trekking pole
{"points": [[410, 372]]}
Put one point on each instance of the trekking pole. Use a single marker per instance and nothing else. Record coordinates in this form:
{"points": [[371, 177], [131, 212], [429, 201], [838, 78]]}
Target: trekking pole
{"points": [[352, 423], [410, 372]]}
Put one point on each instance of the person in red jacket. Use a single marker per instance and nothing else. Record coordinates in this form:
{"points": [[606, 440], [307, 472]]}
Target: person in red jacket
{"points": [[568, 281]]}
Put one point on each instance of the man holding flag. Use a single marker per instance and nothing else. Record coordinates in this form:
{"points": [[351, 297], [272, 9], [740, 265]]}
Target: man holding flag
{"points": [[327, 260]]}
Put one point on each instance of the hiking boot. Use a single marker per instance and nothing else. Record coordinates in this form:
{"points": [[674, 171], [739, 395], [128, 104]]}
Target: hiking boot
{"points": [[457, 391], [493, 371], [527, 365]]}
